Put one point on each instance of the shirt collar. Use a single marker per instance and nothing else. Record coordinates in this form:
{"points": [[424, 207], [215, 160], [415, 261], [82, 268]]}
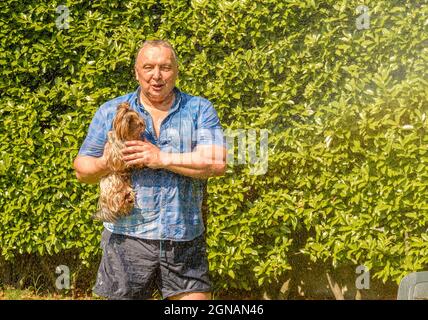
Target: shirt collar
{"points": [[175, 106]]}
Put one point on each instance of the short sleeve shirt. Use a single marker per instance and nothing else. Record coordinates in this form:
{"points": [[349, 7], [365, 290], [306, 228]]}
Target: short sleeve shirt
{"points": [[168, 205]]}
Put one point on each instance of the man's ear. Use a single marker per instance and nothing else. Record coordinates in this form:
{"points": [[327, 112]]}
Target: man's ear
{"points": [[136, 73]]}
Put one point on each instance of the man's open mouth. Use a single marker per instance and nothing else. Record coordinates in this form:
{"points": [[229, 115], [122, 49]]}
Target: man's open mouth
{"points": [[157, 86]]}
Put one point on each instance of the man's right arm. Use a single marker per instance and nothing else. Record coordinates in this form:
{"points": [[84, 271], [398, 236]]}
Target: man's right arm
{"points": [[90, 164], [90, 169]]}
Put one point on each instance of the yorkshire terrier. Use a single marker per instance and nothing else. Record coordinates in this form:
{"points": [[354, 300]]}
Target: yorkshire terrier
{"points": [[116, 194]]}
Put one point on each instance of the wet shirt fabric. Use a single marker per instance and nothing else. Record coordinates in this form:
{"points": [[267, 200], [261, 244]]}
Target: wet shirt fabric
{"points": [[167, 205]]}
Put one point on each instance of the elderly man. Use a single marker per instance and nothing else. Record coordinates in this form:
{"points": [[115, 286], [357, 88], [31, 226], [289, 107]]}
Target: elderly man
{"points": [[161, 244]]}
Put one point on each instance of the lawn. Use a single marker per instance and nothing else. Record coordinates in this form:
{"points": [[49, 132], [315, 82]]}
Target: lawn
{"points": [[10, 293]]}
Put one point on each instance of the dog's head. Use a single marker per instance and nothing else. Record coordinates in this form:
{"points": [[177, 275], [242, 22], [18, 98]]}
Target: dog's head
{"points": [[128, 124]]}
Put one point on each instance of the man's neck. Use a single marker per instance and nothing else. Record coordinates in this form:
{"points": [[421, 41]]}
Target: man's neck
{"points": [[163, 105]]}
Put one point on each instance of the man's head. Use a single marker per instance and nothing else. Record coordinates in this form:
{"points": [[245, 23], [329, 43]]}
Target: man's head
{"points": [[156, 69]]}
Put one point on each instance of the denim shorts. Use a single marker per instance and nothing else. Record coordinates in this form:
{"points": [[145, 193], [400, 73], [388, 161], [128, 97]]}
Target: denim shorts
{"points": [[132, 268]]}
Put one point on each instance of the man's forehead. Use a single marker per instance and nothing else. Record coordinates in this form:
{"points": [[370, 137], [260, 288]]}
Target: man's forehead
{"points": [[152, 54]]}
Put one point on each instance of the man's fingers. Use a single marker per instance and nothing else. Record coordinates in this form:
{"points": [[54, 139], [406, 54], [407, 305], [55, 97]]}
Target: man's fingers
{"points": [[133, 156], [134, 143], [107, 150], [130, 150], [135, 163], [107, 146]]}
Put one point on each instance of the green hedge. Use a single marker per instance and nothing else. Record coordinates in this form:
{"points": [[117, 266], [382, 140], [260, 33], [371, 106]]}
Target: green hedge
{"points": [[345, 110]]}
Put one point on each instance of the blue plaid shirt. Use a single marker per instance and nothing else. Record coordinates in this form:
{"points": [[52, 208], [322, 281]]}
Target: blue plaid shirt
{"points": [[168, 205]]}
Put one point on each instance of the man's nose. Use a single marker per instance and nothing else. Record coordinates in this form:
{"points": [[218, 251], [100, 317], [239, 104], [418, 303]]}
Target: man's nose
{"points": [[156, 73]]}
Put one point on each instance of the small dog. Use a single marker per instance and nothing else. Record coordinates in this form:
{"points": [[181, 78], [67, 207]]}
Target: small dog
{"points": [[116, 195]]}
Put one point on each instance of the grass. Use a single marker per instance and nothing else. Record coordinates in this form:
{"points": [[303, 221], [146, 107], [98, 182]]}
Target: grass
{"points": [[10, 293]]}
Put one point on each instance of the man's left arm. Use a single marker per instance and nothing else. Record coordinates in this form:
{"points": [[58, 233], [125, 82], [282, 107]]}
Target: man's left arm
{"points": [[206, 161]]}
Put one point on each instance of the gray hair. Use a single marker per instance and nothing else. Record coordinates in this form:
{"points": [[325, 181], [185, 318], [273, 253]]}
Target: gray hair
{"points": [[157, 43]]}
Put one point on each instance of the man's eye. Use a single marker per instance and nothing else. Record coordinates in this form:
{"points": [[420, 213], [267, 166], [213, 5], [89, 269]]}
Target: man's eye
{"points": [[166, 68]]}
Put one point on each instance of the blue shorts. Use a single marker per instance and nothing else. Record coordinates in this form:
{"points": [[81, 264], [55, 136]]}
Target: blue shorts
{"points": [[132, 268]]}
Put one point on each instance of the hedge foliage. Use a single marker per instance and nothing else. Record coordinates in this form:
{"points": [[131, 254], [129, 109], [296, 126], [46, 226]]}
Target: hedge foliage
{"points": [[345, 108]]}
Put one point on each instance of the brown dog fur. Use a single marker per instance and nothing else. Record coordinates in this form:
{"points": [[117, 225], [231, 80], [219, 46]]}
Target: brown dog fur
{"points": [[116, 195]]}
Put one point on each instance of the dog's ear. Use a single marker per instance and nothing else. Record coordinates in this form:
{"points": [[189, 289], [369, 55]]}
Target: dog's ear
{"points": [[123, 107], [121, 110], [120, 122]]}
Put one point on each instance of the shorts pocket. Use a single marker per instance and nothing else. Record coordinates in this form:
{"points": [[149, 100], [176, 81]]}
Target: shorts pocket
{"points": [[105, 236]]}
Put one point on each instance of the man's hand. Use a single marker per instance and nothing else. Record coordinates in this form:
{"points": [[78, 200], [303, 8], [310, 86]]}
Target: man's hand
{"points": [[92, 169], [103, 159], [139, 153]]}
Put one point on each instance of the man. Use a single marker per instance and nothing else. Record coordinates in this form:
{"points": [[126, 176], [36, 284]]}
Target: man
{"points": [[161, 243]]}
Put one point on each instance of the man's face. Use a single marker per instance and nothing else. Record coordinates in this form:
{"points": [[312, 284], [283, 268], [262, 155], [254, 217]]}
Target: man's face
{"points": [[156, 71]]}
